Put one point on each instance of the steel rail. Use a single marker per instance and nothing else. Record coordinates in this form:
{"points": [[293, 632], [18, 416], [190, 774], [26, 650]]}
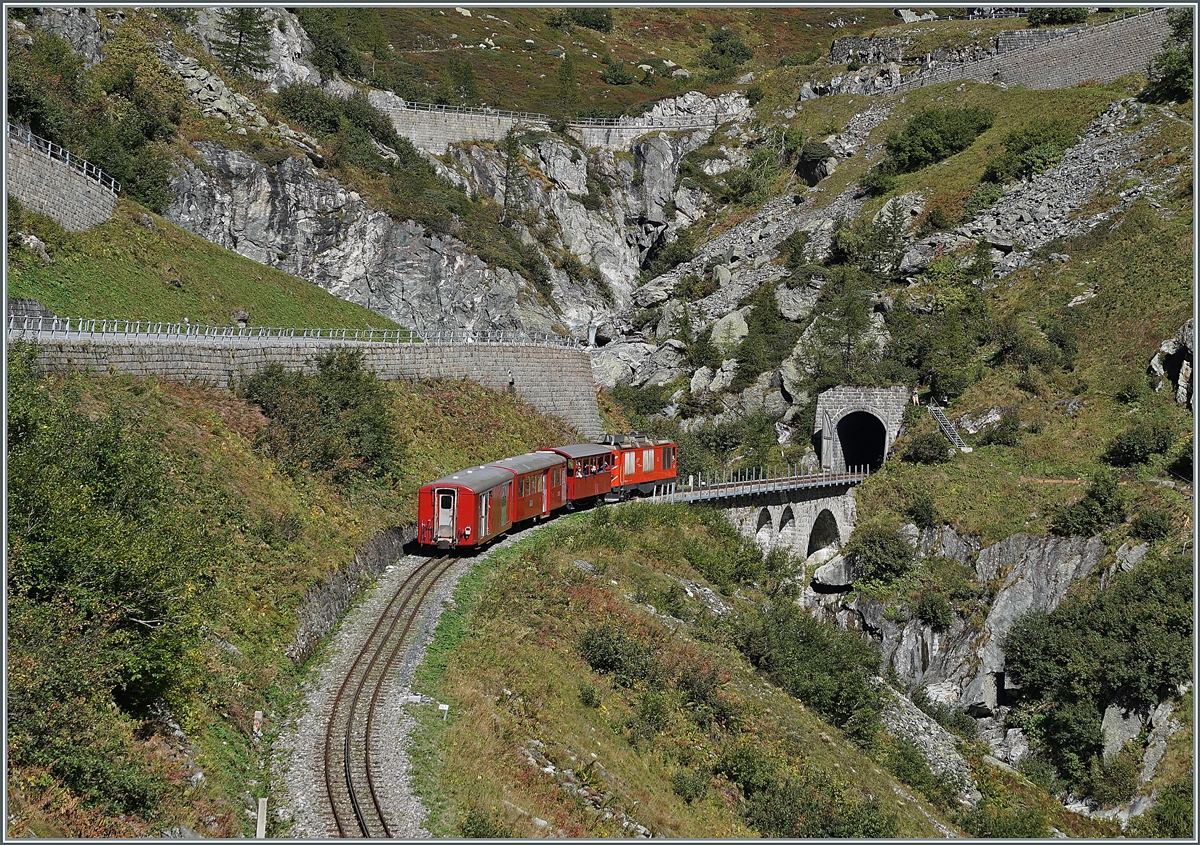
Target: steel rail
{"points": [[400, 607]]}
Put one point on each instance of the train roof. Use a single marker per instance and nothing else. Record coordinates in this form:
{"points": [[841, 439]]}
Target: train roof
{"points": [[475, 479], [582, 450], [530, 462], [632, 440]]}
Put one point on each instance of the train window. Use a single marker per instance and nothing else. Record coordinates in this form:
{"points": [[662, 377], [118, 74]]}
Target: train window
{"points": [[539, 484], [630, 463], [647, 460], [667, 458], [571, 468]]}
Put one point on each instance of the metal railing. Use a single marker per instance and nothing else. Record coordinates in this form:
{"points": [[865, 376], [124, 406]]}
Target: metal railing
{"points": [[54, 151], [28, 327], [947, 428], [755, 481]]}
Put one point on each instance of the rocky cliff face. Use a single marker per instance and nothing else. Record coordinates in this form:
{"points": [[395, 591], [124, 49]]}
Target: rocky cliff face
{"points": [[293, 218], [963, 664]]}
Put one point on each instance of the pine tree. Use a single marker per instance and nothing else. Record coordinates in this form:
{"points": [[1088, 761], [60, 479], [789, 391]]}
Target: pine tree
{"points": [[568, 90], [247, 41]]}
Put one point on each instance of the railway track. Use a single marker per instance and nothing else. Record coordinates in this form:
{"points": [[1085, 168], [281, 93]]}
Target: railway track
{"points": [[349, 777]]}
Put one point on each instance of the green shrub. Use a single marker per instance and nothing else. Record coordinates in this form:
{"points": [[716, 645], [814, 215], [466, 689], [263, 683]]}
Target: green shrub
{"points": [[1031, 150], [829, 670], [1151, 524], [589, 695], [477, 823], [878, 181], [666, 256], [1102, 505], [690, 784], [600, 20], [610, 651], [934, 609], [768, 341], [1139, 443], [993, 820], [726, 51], [1129, 643], [1061, 15], [928, 448], [1172, 72], [335, 420], [935, 134], [984, 196], [879, 552], [754, 94], [1007, 432], [920, 508], [904, 760], [1116, 781], [813, 805], [749, 767], [651, 715], [615, 74]]}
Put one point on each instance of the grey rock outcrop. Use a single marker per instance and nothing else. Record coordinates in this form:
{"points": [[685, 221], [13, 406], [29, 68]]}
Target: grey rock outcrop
{"points": [[1031, 214], [903, 719], [83, 28], [292, 218], [290, 46], [1119, 726], [1173, 363]]}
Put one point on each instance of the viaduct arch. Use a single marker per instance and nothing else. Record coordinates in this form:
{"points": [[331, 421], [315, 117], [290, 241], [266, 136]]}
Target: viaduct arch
{"points": [[803, 521]]}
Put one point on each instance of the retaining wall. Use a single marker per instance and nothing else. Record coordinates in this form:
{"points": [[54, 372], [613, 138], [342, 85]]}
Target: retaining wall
{"points": [[1099, 53], [554, 380], [51, 187]]}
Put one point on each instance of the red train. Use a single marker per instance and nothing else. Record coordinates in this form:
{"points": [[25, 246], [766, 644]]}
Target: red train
{"points": [[474, 506]]}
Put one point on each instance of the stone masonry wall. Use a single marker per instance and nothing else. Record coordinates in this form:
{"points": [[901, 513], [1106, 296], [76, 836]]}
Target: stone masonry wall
{"points": [[886, 403], [51, 187], [555, 381], [1100, 53]]}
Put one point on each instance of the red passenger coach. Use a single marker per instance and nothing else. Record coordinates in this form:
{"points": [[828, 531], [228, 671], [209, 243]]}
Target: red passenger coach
{"points": [[641, 463], [465, 509], [589, 468], [539, 484]]}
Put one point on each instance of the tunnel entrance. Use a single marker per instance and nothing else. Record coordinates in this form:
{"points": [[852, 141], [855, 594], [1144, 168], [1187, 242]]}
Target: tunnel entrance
{"points": [[863, 439], [824, 533]]}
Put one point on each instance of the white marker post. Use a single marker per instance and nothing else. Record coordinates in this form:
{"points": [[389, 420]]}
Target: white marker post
{"points": [[261, 833], [445, 708]]}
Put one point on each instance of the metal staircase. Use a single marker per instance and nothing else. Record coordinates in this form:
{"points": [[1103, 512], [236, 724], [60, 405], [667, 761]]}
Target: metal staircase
{"points": [[947, 428]]}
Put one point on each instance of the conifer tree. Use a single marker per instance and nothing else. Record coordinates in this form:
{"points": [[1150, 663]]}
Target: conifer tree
{"points": [[247, 41]]}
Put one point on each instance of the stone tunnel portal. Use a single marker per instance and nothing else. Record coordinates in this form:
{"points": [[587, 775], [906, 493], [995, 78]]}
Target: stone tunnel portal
{"points": [[863, 439]]}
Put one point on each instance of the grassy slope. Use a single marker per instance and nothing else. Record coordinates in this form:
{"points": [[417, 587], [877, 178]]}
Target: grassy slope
{"points": [[524, 78], [123, 270], [1140, 264], [280, 534], [506, 659]]}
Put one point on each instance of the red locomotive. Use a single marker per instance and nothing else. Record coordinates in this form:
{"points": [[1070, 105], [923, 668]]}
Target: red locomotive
{"points": [[474, 506]]}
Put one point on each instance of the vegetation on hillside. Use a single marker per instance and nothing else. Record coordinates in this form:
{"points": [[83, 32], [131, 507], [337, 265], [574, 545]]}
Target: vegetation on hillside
{"points": [[157, 556]]}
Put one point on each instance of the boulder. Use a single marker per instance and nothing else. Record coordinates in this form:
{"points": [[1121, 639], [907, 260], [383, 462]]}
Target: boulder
{"points": [[724, 376], [837, 573], [667, 363], [701, 379], [1118, 727], [619, 362], [796, 303], [728, 331], [979, 698]]}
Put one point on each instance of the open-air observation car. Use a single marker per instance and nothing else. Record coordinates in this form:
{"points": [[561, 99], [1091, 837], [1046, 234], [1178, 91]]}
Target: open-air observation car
{"points": [[465, 509], [589, 470], [640, 463], [539, 484]]}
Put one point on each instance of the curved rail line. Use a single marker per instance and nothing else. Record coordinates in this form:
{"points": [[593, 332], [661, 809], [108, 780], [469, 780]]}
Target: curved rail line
{"points": [[349, 781]]}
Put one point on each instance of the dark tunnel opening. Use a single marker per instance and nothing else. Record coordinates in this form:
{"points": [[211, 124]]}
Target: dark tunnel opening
{"points": [[863, 439]]}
